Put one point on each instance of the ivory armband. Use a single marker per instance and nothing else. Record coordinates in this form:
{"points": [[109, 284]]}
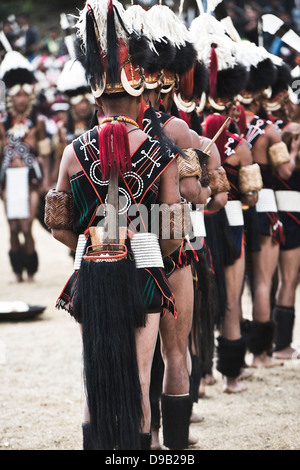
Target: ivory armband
{"points": [[44, 147], [279, 154], [218, 181], [58, 210], [174, 221], [189, 166], [250, 179]]}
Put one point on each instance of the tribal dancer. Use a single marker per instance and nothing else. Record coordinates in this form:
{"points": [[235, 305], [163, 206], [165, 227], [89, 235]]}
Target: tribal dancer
{"points": [[162, 76], [25, 170], [108, 306], [272, 155], [225, 229], [72, 84], [245, 182], [287, 193]]}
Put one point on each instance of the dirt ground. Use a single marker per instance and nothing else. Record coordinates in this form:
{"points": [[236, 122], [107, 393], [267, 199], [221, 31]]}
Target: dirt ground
{"points": [[41, 386]]}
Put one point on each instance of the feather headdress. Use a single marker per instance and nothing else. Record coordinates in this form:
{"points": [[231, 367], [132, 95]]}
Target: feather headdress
{"points": [[260, 65], [216, 50], [15, 69], [72, 80], [113, 50]]}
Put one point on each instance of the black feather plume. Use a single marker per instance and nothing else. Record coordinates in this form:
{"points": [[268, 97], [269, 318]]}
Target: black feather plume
{"points": [[112, 62], [185, 58], [262, 76], [92, 63], [18, 76], [283, 79], [231, 81], [162, 58], [201, 79], [139, 50]]}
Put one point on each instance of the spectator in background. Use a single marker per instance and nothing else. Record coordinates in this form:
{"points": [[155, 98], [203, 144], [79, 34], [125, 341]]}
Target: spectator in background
{"points": [[237, 14], [54, 42], [252, 15], [28, 41]]}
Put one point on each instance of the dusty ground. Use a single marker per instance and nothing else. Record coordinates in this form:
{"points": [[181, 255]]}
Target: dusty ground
{"points": [[41, 388]]}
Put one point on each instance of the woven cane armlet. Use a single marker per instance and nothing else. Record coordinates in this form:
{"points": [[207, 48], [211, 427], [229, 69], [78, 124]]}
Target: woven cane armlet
{"points": [[250, 179], [189, 166], [218, 181], [58, 210], [279, 154], [174, 221]]}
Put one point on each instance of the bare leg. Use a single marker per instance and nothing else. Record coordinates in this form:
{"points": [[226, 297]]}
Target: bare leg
{"points": [[174, 334], [264, 266], [176, 411], [145, 346], [289, 265]]}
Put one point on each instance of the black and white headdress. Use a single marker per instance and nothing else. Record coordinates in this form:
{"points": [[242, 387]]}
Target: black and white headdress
{"points": [[16, 72], [72, 82], [216, 50]]}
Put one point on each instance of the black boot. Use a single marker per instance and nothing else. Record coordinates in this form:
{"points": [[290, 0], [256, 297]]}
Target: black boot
{"points": [[17, 262], [261, 337], [176, 413], [87, 437], [195, 378], [284, 318], [231, 356], [31, 263], [145, 441]]}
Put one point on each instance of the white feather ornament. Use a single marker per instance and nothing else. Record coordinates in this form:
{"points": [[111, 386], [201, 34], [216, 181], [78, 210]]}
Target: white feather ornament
{"points": [[206, 30], [72, 77], [14, 60], [167, 24], [100, 14]]}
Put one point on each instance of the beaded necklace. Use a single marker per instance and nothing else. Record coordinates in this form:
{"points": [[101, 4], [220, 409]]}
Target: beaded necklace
{"points": [[120, 119]]}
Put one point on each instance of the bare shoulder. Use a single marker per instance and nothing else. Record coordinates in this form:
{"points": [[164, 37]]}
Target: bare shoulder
{"points": [[178, 130], [244, 153], [68, 167], [273, 134]]}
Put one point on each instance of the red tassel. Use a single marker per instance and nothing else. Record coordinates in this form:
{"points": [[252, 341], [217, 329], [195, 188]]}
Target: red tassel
{"points": [[213, 71], [114, 149], [212, 124], [110, 6]]}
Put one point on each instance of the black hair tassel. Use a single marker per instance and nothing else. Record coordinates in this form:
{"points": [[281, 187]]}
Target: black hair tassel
{"points": [[93, 65], [112, 62]]}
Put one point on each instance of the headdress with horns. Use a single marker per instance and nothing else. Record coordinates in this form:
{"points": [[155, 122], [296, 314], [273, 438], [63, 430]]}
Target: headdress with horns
{"points": [[113, 51]]}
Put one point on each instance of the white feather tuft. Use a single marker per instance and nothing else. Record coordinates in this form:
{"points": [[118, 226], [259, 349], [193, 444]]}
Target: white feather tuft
{"points": [[249, 54], [14, 60], [140, 22], [100, 12], [72, 77], [206, 30], [167, 24]]}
